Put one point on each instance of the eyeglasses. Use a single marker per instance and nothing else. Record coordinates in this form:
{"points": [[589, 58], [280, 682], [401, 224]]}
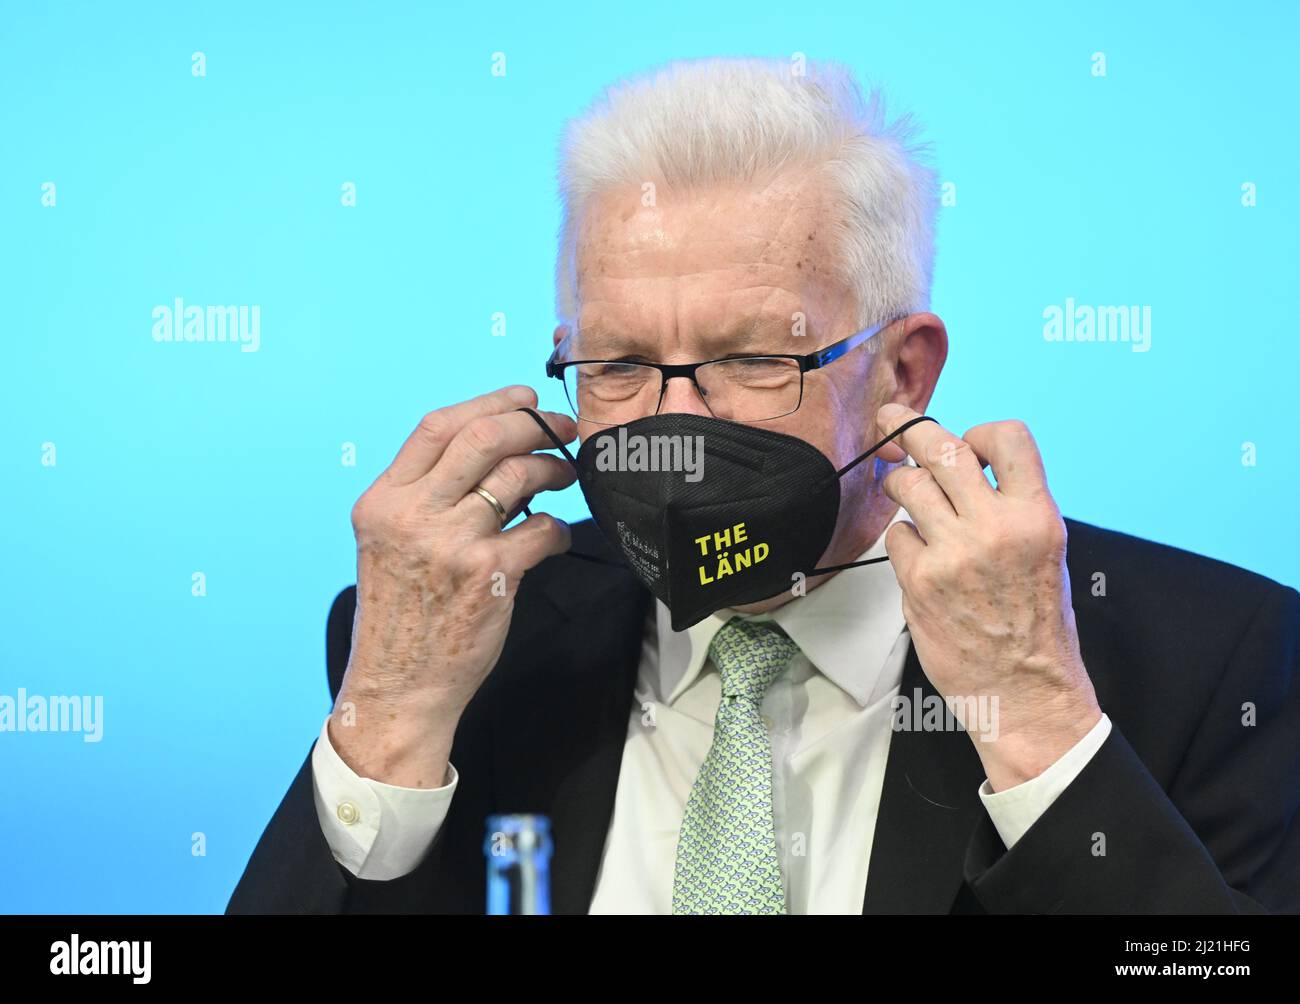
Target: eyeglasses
{"points": [[738, 388]]}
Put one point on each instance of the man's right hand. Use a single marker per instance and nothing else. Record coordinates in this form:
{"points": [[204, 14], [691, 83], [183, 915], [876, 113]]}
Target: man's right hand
{"points": [[430, 625]]}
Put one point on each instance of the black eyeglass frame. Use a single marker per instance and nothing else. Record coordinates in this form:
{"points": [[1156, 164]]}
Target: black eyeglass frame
{"points": [[670, 371]]}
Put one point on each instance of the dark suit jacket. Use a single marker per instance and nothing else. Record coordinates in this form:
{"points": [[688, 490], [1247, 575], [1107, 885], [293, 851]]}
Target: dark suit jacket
{"points": [[1195, 809]]}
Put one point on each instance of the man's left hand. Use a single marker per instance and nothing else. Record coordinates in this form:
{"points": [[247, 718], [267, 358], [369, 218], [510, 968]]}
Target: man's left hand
{"points": [[985, 589]]}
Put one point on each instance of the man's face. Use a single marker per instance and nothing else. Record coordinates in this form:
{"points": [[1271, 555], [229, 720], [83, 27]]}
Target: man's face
{"points": [[725, 270]]}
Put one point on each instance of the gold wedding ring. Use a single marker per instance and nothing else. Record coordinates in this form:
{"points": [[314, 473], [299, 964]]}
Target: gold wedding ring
{"points": [[492, 501]]}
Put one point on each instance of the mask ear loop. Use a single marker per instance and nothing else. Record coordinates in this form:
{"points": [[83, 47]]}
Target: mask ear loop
{"points": [[555, 440], [854, 463], [550, 434]]}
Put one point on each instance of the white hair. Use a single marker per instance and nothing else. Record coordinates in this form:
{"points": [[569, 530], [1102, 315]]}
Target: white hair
{"points": [[722, 120]]}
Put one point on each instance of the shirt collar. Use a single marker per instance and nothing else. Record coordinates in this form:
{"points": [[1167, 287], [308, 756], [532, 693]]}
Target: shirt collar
{"points": [[846, 628]]}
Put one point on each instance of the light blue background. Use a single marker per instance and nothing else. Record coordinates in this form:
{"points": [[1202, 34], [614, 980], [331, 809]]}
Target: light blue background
{"points": [[181, 458]]}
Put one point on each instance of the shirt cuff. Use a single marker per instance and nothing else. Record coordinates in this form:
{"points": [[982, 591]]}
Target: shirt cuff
{"points": [[375, 830], [1015, 810]]}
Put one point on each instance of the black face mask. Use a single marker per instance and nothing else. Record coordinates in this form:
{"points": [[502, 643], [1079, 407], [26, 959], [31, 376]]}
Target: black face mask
{"points": [[710, 513]]}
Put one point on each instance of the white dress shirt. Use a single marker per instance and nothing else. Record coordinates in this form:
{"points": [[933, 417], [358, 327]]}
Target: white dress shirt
{"points": [[829, 717]]}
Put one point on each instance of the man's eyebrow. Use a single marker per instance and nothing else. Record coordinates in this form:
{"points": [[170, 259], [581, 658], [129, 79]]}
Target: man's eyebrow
{"points": [[595, 341], [764, 333]]}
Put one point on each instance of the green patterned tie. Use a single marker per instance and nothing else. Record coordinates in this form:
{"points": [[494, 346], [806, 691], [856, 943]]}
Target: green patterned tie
{"points": [[727, 860]]}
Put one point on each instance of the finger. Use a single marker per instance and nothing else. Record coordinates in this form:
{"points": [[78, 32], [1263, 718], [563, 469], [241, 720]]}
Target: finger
{"points": [[539, 536], [1011, 453], [425, 445], [915, 489], [513, 482], [904, 545], [484, 442], [947, 456]]}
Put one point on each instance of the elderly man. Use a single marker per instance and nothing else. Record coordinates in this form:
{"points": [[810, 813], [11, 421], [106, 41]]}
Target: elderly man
{"points": [[715, 714]]}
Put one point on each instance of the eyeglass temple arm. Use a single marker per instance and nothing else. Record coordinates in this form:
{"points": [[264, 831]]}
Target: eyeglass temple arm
{"points": [[551, 370], [833, 352]]}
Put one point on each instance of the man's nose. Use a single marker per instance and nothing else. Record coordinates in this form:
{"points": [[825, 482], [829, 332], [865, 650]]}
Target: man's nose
{"points": [[682, 396]]}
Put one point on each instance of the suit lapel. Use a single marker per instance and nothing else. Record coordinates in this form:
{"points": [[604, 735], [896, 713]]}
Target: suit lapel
{"points": [[928, 810], [562, 725]]}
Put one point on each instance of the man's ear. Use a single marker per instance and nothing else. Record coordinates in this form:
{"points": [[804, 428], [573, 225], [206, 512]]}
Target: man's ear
{"points": [[922, 350], [561, 330]]}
